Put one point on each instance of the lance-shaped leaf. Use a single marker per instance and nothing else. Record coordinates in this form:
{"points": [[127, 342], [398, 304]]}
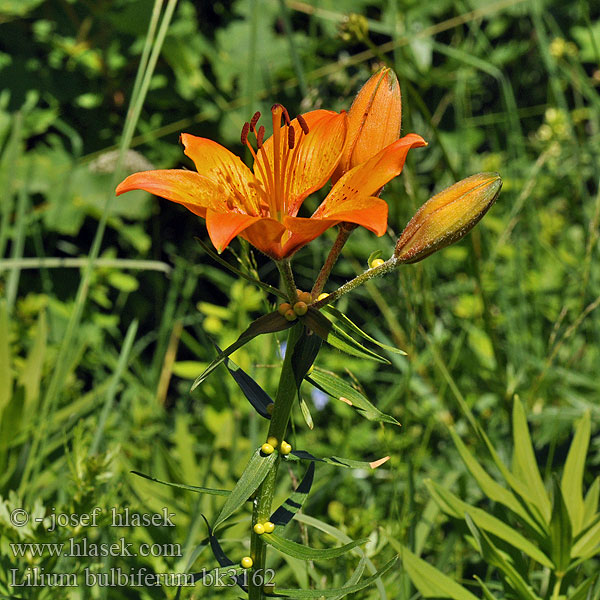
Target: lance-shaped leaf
{"points": [[590, 504], [285, 513], [337, 388], [455, 507], [525, 465], [582, 592], [337, 461], [183, 486], [257, 397], [572, 478], [342, 591], [495, 557], [222, 558], [486, 592], [338, 338], [561, 531], [270, 323], [306, 552], [338, 314], [254, 473], [431, 582], [492, 489], [588, 541]]}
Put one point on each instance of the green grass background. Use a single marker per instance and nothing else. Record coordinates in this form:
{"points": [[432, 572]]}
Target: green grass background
{"points": [[108, 306]]}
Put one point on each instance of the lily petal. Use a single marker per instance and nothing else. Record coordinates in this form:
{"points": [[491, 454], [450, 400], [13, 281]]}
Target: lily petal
{"points": [[195, 192], [224, 226], [314, 157], [369, 212], [236, 181], [369, 177]]}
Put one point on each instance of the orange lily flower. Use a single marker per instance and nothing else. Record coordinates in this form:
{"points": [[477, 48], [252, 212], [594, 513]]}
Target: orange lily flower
{"points": [[262, 205]]}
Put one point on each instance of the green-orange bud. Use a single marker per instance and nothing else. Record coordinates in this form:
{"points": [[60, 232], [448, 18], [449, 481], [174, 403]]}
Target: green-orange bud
{"points": [[447, 217], [373, 120]]}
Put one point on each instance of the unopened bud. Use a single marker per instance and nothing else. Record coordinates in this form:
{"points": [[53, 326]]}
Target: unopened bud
{"points": [[447, 217], [373, 120]]}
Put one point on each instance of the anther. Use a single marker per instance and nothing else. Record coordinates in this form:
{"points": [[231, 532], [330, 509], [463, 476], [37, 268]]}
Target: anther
{"points": [[245, 130], [260, 137], [303, 124], [286, 116], [291, 137], [254, 120]]}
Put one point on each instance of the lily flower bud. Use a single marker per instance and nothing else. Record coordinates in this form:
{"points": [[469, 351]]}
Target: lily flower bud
{"points": [[373, 121], [447, 217]]}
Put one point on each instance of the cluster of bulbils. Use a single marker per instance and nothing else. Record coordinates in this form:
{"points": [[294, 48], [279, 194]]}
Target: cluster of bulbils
{"points": [[300, 307]]}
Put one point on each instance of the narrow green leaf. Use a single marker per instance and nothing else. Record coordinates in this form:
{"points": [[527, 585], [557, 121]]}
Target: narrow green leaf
{"points": [[304, 354], [306, 552], [258, 398], [337, 461], [31, 375], [338, 338], [270, 323], [526, 467], [341, 537], [6, 383], [499, 559], [306, 414], [343, 591], [354, 327], [572, 479], [516, 484], [561, 531], [285, 513], [431, 582], [588, 541], [219, 554], [354, 578], [455, 507], [486, 592], [337, 388], [491, 488], [581, 592], [183, 486], [254, 473], [590, 504], [265, 286]]}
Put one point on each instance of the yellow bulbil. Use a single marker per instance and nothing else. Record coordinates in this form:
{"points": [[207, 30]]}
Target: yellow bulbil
{"points": [[323, 296], [283, 308], [273, 441], [267, 449], [305, 297], [376, 263], [290, 315], [246, 562], [269, 527], [285, 448], [300, 308], [259, 529]]}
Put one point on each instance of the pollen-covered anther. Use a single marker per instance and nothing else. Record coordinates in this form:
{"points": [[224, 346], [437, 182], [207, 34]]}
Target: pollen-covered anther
{"points": [[254, 120], [303, 124], [245, 130], [260, 136], [291, 138]]}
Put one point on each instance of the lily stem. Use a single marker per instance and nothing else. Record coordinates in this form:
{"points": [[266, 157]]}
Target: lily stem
{"points": [[388, 266], [344, 232], [282, 408], [285, 270]]}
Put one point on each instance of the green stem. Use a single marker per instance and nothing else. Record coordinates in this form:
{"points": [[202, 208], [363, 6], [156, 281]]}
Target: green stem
{"points": [[282, 408], [388, 266], [343, 234], [285, 271]]}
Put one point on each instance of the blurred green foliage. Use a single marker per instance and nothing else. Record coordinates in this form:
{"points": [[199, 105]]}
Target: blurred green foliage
{"points": [[509, 86]]}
